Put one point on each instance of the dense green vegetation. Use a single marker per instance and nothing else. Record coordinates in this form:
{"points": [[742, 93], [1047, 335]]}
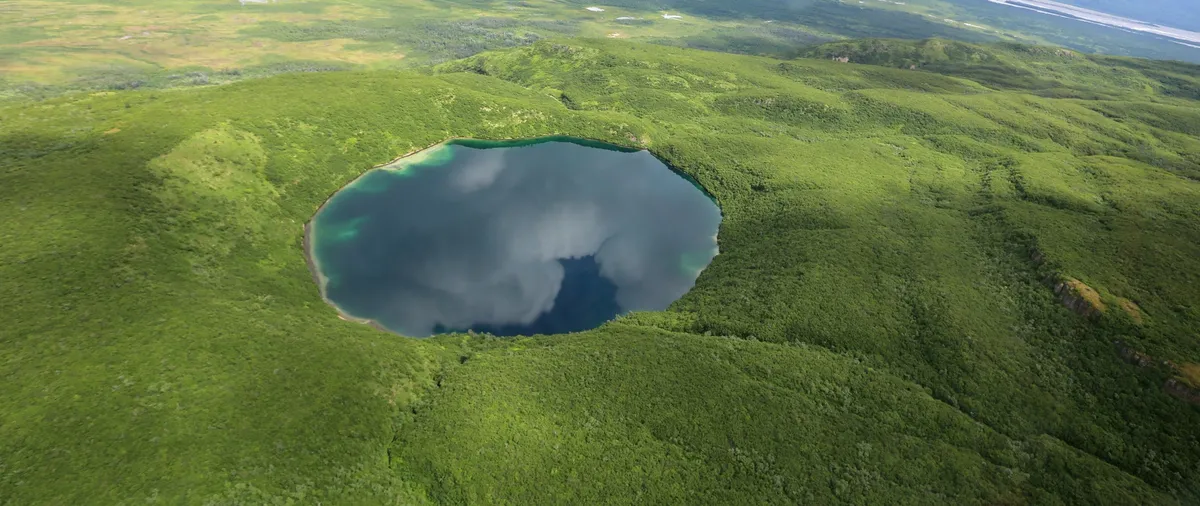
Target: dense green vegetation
{"points": [[881, 325], [1041, 70], [55, 47]]}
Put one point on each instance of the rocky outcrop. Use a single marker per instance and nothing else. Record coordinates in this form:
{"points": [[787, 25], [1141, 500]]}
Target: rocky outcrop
{"points": [[1185, 386], [1133, 356], [1086, 301], [1079, 297], [1182, 391]]}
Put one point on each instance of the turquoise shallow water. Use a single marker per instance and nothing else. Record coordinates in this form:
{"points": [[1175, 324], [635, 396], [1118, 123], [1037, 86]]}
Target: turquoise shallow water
{"points": [[540, 236]]}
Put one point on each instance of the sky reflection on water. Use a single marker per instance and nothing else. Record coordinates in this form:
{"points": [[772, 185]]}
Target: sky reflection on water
{"points": [[542, 238]]}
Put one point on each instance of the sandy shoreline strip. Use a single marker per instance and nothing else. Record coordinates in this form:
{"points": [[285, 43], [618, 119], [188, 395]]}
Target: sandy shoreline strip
{"points": [[310, 227]]}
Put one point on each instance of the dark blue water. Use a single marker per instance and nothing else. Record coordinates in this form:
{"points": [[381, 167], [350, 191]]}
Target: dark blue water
{"points": [[534, 237]]}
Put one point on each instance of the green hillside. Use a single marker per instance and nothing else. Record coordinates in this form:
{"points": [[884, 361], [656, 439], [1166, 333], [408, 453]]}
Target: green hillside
{"points": [[51, 47], [1040, 70], [941, 281]]}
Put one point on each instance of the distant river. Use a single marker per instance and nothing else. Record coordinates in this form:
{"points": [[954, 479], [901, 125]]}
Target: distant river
{"points": [[541, 236]]}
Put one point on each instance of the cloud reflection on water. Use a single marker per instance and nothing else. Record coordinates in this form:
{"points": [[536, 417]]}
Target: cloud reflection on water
{"points": [[478, 241]]}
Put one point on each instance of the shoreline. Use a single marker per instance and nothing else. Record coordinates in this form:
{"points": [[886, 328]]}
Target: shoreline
{"points": [[321, 280], [1067, 11], [314, 267]]}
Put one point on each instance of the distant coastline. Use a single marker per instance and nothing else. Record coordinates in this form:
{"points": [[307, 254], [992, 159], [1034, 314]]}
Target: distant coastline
{"points": [[1058, 9]]}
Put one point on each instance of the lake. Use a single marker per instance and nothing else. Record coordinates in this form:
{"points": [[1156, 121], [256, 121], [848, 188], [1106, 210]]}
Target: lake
{"points": [[539, 236]]}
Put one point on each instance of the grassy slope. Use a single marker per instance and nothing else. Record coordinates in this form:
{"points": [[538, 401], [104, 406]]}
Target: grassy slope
{"points": [[1045, 71], [889, 337]]}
